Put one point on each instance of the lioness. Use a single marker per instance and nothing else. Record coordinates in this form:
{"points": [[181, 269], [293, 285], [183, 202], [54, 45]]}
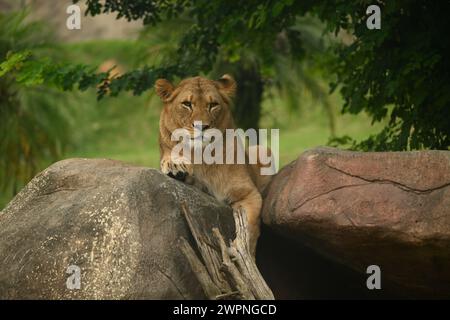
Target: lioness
{"points": [[200, 99]]}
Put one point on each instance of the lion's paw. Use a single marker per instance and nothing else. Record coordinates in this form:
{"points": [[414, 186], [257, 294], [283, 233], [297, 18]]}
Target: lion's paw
{"points": [[177, 168]]}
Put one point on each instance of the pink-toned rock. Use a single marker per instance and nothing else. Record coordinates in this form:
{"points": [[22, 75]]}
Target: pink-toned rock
{"points": [[390, 209]]}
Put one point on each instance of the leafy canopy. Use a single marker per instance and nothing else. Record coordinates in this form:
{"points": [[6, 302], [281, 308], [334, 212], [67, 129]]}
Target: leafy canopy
{"points": [[400, 72]]}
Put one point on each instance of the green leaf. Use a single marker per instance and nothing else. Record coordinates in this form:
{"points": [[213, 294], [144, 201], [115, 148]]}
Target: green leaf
{"points": [[13, 61]]}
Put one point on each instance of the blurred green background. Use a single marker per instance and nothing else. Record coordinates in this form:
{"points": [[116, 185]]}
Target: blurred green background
{"points": [[41, 125]]}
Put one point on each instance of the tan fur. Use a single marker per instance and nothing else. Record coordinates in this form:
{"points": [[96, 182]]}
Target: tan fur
{"points": [[239, 185]]}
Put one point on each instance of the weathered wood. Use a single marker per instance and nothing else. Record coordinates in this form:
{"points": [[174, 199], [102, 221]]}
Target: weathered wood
{"points": [[240, 251], [209, 287], [224, 271]]}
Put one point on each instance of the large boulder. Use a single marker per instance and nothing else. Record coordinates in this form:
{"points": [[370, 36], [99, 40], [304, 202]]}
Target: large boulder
{"points": [[390, 209], [119, 224]]}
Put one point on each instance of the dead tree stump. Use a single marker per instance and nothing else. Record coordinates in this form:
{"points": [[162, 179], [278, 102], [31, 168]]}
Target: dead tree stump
{"points": [[225, 271]]}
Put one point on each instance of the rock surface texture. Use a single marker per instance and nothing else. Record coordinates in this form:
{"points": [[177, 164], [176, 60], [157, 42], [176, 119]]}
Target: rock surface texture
{"points": [[120, 224], [390, 209]]}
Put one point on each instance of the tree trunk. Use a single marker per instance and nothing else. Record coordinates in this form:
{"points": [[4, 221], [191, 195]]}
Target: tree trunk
{"points": [[247, 106]]}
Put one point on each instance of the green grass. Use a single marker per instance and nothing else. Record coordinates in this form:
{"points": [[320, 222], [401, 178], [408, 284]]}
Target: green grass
{"points": [[308, 134], [309, 126], [126, 129]]}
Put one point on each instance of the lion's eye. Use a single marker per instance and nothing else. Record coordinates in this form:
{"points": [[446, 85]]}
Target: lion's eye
{"points": [[187, 104], [212, 105]]}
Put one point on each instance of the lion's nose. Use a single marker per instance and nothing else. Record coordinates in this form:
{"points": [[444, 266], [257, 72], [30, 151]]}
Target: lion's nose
{"points": [[201, 127]]}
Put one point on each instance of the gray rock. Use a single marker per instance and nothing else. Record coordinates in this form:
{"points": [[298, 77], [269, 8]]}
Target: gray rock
{"points": [[120, 224]]}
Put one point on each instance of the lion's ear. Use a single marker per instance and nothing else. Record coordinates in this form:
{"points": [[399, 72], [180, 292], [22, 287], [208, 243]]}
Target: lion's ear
{"points": [[227, 85], [163, 88]]}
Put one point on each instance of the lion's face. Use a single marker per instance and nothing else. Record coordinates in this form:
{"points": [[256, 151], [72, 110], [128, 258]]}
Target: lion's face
{"points": [[197, 103]]}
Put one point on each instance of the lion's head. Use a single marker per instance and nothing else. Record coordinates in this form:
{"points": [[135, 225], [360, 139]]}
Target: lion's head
{"points": [[196, 100]]}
